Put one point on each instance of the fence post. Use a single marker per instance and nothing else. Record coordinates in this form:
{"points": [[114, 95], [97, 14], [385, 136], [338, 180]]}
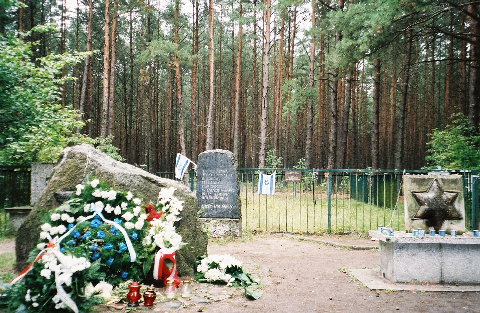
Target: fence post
{"points": [[475, 203], [329, 197], [191, 179]]}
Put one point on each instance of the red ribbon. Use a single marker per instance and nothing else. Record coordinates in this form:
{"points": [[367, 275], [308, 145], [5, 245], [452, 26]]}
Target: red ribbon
{"points": [[162, 272]]}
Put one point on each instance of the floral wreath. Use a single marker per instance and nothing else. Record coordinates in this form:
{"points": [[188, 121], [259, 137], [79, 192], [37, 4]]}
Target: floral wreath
{"points": [[100, 236]]}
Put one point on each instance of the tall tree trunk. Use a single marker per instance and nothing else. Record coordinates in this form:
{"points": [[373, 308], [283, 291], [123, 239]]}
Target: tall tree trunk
{"points": [[311, 85], [63, 41], [86, 94], [106, 74], [238, 78], [211, 56], [474, 88], [113, 59], [400, 116], [376, 112], [265, 82], [178, 81], [280, 71], [194, 127]]}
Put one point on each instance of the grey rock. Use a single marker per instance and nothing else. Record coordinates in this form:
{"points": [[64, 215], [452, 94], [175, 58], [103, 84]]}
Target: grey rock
{"points": [[83, 161]]}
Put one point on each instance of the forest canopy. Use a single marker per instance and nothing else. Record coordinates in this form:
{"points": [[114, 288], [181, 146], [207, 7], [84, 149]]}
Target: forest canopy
{"points": [[322, 83]]}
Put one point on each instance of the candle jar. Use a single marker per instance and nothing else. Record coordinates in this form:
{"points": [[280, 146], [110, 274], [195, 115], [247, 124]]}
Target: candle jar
{"points": [[186, 289], [170, 290], [149, 296], [134, 295]]}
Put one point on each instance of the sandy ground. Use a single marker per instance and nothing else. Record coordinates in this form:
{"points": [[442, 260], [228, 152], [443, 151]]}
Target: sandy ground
{"points": [[301, 275]]}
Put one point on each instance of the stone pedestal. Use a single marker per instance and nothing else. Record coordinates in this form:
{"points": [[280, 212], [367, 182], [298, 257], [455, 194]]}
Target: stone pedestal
{"points": [[17, 216], [218, 193], [441, 260]]}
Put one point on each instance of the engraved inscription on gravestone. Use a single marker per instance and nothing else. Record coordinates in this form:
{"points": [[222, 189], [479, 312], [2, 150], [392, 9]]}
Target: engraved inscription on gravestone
{"points": [[217, 185]]}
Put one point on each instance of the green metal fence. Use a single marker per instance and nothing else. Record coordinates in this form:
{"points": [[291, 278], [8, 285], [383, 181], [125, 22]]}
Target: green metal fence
{"points": [[339, 201], [14, 191]]}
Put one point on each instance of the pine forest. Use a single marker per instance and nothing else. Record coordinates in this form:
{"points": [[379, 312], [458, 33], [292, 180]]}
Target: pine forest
{"points": [[321, 83]]}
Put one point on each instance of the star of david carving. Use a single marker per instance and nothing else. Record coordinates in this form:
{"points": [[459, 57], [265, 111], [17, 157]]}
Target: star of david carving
{"points": [[436, 206]]}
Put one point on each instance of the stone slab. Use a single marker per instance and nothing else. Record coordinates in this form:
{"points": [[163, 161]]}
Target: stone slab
{"points": [[373, 280], [222, 227], [39, 180], [217, 185], [422, 183]]}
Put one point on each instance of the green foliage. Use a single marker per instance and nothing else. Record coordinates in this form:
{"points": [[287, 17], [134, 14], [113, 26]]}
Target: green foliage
{"points": [[33, 126], [457, 146], [272, 160], [308, 179]]}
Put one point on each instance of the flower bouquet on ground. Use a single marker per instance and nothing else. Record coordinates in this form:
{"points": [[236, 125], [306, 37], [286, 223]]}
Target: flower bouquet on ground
{"points": [[225, 269], [98, 239]]}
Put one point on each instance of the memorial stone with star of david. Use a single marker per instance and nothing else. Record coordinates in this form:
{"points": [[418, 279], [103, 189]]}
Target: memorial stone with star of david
{"points": [[434, 201]]}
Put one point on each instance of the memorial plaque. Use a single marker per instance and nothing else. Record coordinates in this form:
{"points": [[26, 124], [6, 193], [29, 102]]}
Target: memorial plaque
{"points": [[293, 176], [217, 185]]}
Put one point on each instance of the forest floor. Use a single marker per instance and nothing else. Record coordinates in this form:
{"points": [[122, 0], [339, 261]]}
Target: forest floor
{"points": [[307, 274]]}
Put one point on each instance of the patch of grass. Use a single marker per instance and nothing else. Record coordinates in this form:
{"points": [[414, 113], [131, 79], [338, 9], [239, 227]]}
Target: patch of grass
{"points": [[300, 211], [7, 265]]}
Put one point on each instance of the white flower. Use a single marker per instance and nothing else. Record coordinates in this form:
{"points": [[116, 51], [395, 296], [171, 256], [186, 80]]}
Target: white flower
{"points": [[86, 208], [97, 193], [128, 216], [117, 210], [137, 210], [89, 290], [139, 224], [104, 290], [71, 219], [112, 195], [143, 216], [79, 189], [108, 208], [55, 217], [137, 201], [46, 273], [43, 235], [40, 246], [165, 194], [65, 278], [65, 216], [99, 206], [124, 205], [129, 225], [46, 227], [94, 183], [147, 241], [53, 231], [27, 296], [129, 196], [61, 229], [35, 304]]}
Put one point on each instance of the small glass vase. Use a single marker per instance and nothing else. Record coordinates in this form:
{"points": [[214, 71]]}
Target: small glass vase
{"points": [[170, 290], [186, 288]]}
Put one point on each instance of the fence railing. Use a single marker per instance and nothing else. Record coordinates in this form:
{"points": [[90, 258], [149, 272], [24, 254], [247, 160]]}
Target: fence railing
{"points": [[339, 201]]}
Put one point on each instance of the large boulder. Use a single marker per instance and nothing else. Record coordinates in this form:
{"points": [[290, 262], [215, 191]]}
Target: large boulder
{"points": [[82, 161]]}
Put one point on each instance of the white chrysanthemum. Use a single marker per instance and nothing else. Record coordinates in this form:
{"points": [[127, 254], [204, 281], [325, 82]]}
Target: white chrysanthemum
{"points": [[61, 229], [41, 245], [55, 217], [143, 216], [129, 225], [79, 189], [147, 241], [129, 196], [139, 224], [99, 206], [128, 216], [28, 298], [35, 304], [123, 205], [108, 208], [46, 227], [97, 193], [65, 216], [137, 210], [46, 273], [112, 195], [104, 290], [94, 183], [43, 235], [71, 219], [165, 195], [86, 208], [117, 210], [137, 201]]}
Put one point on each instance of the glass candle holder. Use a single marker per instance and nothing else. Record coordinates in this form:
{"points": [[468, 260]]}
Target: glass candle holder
{"points": [[186, 288], [149, 296], [170, 290]]}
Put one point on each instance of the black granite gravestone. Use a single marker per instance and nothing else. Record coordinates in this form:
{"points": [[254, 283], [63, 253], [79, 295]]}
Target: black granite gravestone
{"points": [[217, 185]]}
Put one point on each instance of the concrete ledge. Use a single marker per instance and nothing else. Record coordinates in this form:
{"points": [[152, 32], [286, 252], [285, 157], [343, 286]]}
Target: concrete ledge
{"points": [[17, 216], [372, 279], [222, 227]]}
